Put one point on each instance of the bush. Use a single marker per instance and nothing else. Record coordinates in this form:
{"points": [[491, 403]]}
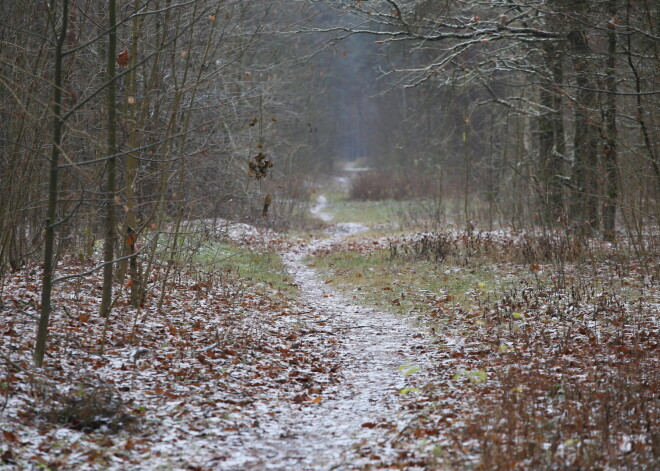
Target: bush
{"points": [[375, 186], [86, 408]]}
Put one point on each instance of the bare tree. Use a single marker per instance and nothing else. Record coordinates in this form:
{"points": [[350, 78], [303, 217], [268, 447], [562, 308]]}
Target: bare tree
{"points": [[50, 223]]}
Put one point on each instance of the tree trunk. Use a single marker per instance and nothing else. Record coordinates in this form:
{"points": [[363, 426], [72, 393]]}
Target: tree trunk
{"points": [[51, 214], [610, 146], [585, 206], [468, 171], [111, 182], [131, 227], [551, 139]]}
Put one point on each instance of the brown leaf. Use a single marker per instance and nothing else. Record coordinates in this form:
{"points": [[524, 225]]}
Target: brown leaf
{"points": [[300, 398], [122, 58]]}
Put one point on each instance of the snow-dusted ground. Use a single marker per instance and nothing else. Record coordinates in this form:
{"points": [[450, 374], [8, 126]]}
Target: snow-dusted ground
{"points": [[318, 209], [360, 411], [315, 385]]}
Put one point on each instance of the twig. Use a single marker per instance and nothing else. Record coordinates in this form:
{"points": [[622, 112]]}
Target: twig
{"points": [[16, 365]]}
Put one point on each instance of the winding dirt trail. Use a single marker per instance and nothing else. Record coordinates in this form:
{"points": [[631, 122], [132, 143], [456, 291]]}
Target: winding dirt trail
{"points": [[337, 433]]}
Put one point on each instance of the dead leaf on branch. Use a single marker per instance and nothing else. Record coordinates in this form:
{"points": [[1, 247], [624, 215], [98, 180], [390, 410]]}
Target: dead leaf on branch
{"points": [[267, 201], [259, 167], [131, 237], [122, 58]]}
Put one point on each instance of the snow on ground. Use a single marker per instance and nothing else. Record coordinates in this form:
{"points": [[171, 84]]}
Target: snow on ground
{"points": [[375, 351], [237, 379], [216, 381], [318, 209]]}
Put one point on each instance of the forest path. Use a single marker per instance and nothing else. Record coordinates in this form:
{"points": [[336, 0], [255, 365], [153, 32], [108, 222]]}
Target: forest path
{"points": [[364, 408]]}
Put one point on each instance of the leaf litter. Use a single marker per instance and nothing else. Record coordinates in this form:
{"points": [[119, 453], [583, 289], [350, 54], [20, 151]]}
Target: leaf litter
{"points": [[234, 379], [558, 368], [219, 380]]}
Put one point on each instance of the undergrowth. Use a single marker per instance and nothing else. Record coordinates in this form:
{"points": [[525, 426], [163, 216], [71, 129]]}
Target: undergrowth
{"points": [[563, 336], [84, 405], [230, 262]]}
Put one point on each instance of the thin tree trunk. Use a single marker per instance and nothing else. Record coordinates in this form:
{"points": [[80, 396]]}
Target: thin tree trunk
{"points": [[111, 182], [653, 158], [468, 171], [551, 137], [132, 167], [49, 242], [610, 148]]}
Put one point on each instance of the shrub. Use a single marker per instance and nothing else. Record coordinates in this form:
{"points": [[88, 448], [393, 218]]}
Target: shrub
{"points": [[85, 408], [376, 185]]}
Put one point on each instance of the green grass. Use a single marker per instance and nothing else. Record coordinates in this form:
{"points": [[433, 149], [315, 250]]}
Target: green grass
{"points": [[405, 285], [260, 267], [410, 284], [364, 212], [383, 217], [206, 257]]}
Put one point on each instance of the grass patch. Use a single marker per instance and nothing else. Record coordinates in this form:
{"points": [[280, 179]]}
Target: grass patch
{"points": [[264, 268], [366, 212], [404, 285]]}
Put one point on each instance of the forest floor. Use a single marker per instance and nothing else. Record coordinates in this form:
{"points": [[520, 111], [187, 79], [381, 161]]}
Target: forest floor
{"points": [[351, 350]]}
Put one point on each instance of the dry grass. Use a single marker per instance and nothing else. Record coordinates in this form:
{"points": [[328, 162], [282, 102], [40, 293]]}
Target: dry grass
{"points": [[552, 363]]}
